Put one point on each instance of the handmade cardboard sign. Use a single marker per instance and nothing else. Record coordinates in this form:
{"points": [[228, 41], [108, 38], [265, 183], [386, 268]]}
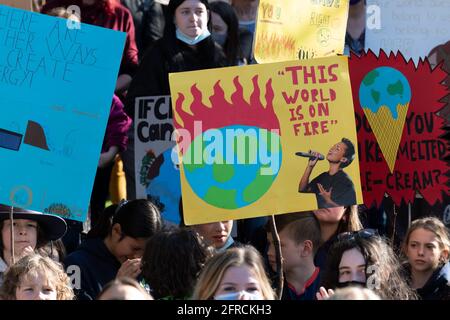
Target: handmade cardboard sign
{"points": [[56, 89], [300, 29], [265, 139], [157, 176], [399, 133]]}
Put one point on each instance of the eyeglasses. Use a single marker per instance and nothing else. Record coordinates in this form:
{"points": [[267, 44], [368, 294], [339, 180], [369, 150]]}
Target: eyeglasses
{"points": [[361, 234]]}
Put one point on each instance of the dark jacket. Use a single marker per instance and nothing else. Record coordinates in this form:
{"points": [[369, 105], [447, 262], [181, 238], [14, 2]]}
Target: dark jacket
{"points": [[166, 56], [97, 267], [148, 16], [438, 286]]}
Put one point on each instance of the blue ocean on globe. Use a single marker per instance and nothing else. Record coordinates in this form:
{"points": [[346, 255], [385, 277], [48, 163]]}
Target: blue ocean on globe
{"points": [[232, 177], [384, 86], [166, 189]]}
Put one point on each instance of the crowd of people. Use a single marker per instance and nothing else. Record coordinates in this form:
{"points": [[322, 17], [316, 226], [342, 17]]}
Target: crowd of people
{"points": [[131, 253]]}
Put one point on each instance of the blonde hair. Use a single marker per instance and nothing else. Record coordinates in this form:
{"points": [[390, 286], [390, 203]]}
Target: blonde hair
{"points": [[34, 264], [354, 293], [214, 270], [433, 225], [350, 221], [124, 282], [63, 13]]}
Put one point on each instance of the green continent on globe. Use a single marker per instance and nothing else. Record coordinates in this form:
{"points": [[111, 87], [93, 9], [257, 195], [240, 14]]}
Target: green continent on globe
{"points": [[396, 88], [370, 78], [375, 96], [221, 198], [258, 187], [223, 172]]}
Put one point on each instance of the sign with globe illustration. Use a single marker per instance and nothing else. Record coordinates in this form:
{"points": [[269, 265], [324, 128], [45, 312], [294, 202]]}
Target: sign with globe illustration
{"points": [[385, 95], [226, 185], [401, 133], [239, 129]]}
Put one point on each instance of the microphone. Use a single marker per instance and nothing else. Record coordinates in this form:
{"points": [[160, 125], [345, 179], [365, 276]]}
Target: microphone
{"points": [[309, 155]]}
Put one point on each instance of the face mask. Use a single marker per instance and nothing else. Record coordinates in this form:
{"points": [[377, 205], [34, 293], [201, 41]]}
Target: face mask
{"points": [[192, 41], [351, 284], [249, 26], [219, 38], [241, 295]]}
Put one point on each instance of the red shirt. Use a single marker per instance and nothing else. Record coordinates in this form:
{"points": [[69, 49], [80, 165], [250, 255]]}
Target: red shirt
{"points": [[119, 19]]}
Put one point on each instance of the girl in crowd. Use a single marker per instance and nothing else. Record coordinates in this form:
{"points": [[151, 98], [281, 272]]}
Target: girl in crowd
{"points": [[185, 46], [426, 247], [334, 221], [235, 274], [32, 230], [365, 259], [114, 246], [112, 15], [172, 261], [225, 31], [123, 289], [217, 234], [35, 277]]}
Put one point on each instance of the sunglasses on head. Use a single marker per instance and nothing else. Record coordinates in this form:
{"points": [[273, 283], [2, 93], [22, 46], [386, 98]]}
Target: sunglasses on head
{"points": [[361, 234]]}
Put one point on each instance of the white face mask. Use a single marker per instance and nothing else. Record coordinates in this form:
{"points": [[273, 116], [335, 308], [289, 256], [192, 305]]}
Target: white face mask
{"points": [[192, 41], [241, 295]]}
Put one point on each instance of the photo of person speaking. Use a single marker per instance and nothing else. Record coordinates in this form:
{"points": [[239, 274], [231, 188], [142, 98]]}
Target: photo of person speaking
{"points": [[334, 187]]}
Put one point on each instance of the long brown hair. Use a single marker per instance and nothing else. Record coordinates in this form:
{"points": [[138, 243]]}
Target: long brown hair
{"points": [[350, 220], [389, 282]]}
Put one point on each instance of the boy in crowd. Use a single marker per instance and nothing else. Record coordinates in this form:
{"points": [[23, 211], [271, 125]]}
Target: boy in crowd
{"points": [[300, 238]]}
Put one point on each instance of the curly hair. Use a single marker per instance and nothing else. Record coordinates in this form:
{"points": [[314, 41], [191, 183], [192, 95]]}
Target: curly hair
{"points": [[172, 261], [379, 256], [32, 265]]}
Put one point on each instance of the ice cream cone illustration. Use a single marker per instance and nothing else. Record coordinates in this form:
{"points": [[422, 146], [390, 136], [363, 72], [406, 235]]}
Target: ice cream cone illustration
{"points": [[384, 95]]}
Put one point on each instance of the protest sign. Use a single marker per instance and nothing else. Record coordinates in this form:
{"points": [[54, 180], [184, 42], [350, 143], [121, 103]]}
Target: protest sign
{"points": [[413, 28], [56, 89], [245, 139], [415, 146], [157, 176], [293, 29]]}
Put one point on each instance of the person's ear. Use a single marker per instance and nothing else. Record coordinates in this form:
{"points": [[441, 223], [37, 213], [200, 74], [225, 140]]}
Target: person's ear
{"points": [[307, 248], [116, 232], [444, 255], [344, 160]]}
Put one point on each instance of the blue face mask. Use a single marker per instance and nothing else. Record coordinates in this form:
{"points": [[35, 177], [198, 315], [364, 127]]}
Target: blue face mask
{"points": [[192, 41], [219, 38]]}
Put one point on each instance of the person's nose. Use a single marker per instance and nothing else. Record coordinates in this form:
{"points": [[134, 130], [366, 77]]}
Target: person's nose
{"points": [[21, 230], [356, 276], [420, 251], [221, 226]]}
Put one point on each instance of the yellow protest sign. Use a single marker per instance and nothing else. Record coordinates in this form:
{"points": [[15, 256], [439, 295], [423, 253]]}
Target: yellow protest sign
{"points": [[300, 29], [265, 139]]}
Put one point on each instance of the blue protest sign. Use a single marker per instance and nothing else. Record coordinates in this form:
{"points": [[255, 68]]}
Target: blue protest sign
{"points": [[56, 87]]}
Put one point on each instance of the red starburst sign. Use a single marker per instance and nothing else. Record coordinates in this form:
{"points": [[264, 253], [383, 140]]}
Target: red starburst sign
{"points": [[420, 165]]}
